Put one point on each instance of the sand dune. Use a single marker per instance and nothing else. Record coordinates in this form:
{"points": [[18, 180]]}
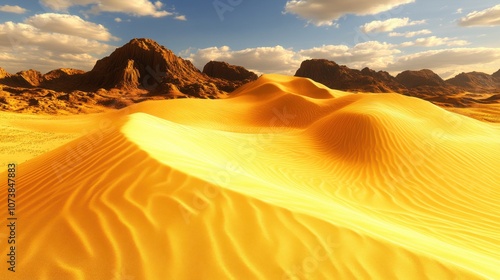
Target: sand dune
{"points": [[285, 180]]}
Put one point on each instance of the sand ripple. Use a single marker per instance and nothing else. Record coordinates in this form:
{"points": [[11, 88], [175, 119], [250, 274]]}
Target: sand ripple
{"points": [[285, 180]]}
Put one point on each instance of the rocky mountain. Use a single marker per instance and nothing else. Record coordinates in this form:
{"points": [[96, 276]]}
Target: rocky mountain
{"points": [[424, 77], [226, 71], [144, 64], [423, 83], [342, 77], [144, 70], [496, 74], [236, 75], [476, 81], [26, 79], [140, 70], [384, 78], [61, 73], [3, 73]]}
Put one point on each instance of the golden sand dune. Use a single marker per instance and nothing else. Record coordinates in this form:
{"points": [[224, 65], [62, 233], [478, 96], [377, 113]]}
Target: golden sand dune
{"points": [[285, 180]]}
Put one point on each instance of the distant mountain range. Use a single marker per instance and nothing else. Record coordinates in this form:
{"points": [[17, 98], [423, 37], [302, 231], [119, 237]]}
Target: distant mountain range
{"points": [[144, 70]]}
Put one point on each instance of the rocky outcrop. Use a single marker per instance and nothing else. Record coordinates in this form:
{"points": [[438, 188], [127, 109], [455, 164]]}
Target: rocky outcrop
{"points": [[27, 79], [62, 79], [138, 71], [496, 74], [61, 73], [226, 71], [342, 77], [128, 77], [424, 77], [3, 73], [385, 79], [475, 81], [141, 56], [144, 64], [423, 84]]}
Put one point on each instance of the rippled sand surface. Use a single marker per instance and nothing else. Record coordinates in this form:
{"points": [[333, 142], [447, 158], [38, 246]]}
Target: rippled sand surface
{"points": [[285, 180]]}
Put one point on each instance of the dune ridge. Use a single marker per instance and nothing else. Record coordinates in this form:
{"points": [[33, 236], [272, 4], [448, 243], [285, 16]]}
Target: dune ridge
{"points": [[285, 180]]}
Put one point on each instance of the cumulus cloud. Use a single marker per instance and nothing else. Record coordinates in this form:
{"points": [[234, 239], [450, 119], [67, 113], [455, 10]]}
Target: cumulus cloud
{"points": [[70, 25], [368, 54], [25, 46], [409, 34], [275, 59], [135, 8], [286, 61], [12, 9], [326, 12], [487, 17], [435, 41], [450, 61], [388, 25], [373, 54]]}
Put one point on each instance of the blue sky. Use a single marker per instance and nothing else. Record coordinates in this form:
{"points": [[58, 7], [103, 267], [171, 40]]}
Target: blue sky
{"points": [[448, 37]]}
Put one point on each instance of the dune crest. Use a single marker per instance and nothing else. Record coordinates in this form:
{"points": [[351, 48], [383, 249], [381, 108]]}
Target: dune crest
{"points": [[287, 179]]}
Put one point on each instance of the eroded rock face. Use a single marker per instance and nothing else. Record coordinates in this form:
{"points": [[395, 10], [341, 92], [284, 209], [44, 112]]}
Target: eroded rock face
{"points": [[3, 73], [496, 74], [27, 79], [424, 77], [475, 81], [226, 71], [423, 84], [138, 71], [61, 73], [342, 77], [146, 58], [144, 64]]}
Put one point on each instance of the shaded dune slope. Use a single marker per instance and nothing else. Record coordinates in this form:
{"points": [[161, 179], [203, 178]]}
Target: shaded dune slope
{"points": [[285, 180]]}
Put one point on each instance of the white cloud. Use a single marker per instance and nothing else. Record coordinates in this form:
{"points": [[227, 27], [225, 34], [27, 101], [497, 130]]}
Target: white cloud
{"points": [[368, 54], [388, 25], [410, 34], [459, 11], [487, 17], [286, 61], [376, 55], [450, 61], [158, 4], [325, 12], [135, 8], [30, 47], [181, 18], [70, 25], [262, 59], [121, 20], [12, 9], [435, 41]]}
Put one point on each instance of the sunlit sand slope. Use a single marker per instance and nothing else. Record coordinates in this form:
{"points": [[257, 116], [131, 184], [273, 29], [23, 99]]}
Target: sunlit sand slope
{"points": [[285, 180]]}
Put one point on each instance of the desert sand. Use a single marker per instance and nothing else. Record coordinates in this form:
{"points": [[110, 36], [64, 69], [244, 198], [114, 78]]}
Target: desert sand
{"points": [[286, 179]]}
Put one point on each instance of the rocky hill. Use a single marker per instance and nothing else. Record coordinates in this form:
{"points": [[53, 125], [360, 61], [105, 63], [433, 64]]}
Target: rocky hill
{"points": [[423, 83], [342, 77], [496, 74], [140, 70], [3, 73], [476, 81], [144, 64], [424, 77], [144, 70], [223, 70]]}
